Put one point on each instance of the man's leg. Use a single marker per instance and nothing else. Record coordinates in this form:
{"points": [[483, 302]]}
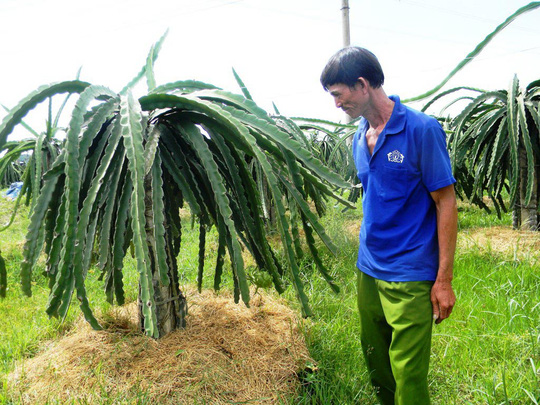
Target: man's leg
{"points": [[375, 337], [407, 308]]}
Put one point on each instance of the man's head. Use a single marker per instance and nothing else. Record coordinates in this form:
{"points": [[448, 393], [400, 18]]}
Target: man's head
{"points": [[349, 64]]}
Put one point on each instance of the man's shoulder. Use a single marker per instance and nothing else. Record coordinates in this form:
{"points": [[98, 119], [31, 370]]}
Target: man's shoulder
{"points": [[420, 118], [421, 126], [414, 118]]}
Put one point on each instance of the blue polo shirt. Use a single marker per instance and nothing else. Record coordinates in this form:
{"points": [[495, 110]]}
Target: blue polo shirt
{"points": [[398, 237]]}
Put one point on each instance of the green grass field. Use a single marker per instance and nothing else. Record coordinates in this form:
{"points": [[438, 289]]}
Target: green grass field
{"points": [[488, 352]]}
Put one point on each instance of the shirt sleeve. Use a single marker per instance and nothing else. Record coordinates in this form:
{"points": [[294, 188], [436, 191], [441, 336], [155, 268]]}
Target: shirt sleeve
{"points": [[356, 145], [435, 161], [355, 150]]}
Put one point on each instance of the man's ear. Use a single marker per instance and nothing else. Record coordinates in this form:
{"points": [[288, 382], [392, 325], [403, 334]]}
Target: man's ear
{"points": [[362, 83]]}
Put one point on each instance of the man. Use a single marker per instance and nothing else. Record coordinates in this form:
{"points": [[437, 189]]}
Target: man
{"points": [[408, 233]]}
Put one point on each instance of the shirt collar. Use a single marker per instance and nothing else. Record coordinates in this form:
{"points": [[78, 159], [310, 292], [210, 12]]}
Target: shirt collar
{"points": [[396, 123]]}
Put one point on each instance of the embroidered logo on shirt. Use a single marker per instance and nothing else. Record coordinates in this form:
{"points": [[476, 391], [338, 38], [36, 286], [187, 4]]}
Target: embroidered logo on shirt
{"points": [[395, 157]]}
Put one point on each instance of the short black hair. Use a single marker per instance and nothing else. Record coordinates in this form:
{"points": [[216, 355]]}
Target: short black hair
{"points": [[351, 63]]}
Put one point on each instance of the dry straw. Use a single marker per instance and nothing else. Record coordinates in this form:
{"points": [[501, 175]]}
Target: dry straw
{"points": [[227, 354], [503, 240]]}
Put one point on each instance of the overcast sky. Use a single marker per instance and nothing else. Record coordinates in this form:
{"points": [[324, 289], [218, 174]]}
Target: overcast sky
{"points": [[278, 47]]}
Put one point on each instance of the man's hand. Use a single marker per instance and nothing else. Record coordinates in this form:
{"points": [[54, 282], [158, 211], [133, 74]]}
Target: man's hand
{"points": [[442, 299]]}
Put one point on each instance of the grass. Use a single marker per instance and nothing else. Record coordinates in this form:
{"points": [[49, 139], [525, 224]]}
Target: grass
{"points": [[471, 217], [488, 352]]}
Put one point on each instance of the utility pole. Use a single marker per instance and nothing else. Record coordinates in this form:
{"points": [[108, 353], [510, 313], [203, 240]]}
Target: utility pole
{"points": [[346, 26], [346, 34]]}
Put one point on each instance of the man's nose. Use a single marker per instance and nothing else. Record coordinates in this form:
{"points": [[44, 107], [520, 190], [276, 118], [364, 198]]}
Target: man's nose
{"points": [[338, 103]]}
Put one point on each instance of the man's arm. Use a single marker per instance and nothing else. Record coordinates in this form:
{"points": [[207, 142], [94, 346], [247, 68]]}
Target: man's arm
{"points": [[442, 294]]}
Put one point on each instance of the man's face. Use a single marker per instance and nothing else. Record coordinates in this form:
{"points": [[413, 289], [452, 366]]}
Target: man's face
{"points": [[350, 99]]}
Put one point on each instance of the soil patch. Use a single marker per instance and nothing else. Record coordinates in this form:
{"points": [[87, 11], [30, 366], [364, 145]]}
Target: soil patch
{"points": [[227, 354]]}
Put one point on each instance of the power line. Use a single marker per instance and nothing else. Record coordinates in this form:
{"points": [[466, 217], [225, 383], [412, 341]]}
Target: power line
{"points": [[446, 11], [290, 13], [481, 58]]}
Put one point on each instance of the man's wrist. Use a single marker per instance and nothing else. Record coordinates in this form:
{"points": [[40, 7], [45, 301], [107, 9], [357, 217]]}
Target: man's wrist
{"points": [[444, 279]]}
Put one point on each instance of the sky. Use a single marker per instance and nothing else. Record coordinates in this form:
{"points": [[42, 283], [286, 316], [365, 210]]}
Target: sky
{"points": [[278, 47]]}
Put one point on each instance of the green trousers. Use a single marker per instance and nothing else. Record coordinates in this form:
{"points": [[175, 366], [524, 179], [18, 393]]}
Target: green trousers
{"points": [[396, 324]]}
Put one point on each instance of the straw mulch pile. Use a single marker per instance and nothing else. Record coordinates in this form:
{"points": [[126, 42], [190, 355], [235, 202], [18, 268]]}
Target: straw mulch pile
{"points": [[503, 240], [227, 354]]}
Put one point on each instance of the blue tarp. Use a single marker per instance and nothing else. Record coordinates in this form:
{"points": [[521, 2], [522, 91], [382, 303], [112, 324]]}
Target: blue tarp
{"points": [[13, 190]]}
